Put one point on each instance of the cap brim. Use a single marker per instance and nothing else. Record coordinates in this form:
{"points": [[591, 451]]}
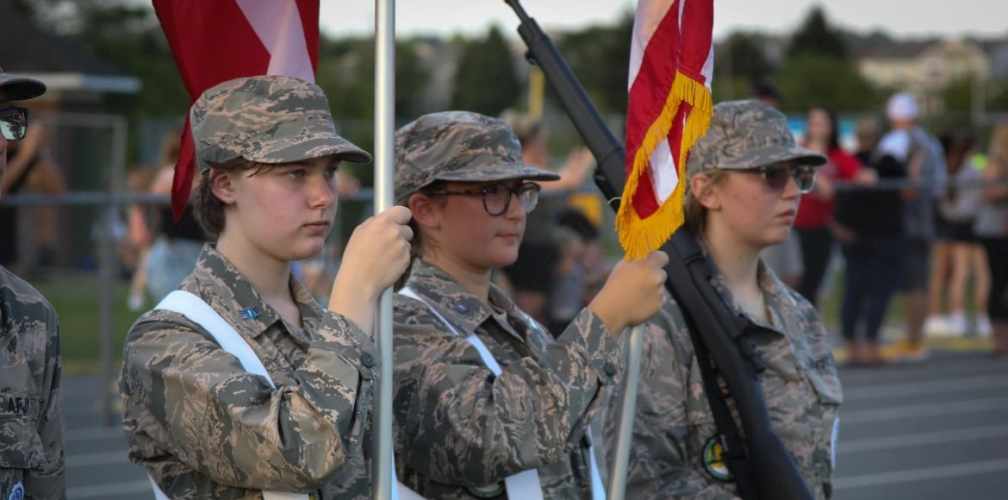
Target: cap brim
{"points": [[774, 154], [499, 172], [15, 88], [316, 147]]}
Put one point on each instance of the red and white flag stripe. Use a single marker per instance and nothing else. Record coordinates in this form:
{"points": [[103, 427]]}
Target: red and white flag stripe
{"points": [[671, 65], [214, 41], [277, 23]]}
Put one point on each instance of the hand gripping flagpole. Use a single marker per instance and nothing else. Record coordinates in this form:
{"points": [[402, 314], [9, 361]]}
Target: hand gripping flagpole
{"points": [[609, 176], [624, 424], [384, 129]]}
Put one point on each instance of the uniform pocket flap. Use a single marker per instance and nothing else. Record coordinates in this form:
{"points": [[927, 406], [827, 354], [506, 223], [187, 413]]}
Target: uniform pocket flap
{"points": [[827, 385]]}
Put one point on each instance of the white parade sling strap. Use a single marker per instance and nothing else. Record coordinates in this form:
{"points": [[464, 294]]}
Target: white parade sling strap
{"points": [[524, 485], [199, 312]]}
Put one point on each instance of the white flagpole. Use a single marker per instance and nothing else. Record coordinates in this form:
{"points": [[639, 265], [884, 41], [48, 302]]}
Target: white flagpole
{"points": [[384, 122], [621, 460]]}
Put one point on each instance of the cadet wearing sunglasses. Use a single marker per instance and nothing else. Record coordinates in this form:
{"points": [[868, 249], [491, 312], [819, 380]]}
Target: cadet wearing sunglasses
{"points": [[777, 175], [31, 415], [745, 179], [13, 123]]}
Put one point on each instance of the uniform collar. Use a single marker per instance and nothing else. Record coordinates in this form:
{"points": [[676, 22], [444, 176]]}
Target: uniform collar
{"points": [[462, 309], [786, 322], [234, 297], [776, 296]]}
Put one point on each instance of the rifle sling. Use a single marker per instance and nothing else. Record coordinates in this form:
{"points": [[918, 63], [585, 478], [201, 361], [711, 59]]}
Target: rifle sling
{"points": [[735, 451]]}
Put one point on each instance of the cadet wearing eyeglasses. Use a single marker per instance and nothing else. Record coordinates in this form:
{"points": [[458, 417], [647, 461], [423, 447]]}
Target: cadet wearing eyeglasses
{"points": [[31, 414], [486, 403], [745, 179]]}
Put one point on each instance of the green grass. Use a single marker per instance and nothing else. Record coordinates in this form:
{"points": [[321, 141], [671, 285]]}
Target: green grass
{"points": [[76, 300]]}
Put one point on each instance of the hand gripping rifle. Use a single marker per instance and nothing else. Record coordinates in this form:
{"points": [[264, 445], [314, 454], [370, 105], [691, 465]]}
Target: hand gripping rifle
{"points": [[762, 467]]}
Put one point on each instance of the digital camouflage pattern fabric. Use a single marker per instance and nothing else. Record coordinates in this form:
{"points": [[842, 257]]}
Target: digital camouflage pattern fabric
{"points": [[459, 430], [31, 414], [266, 119], [673, 419], [204, 428], [747, 134], [458, 146]]}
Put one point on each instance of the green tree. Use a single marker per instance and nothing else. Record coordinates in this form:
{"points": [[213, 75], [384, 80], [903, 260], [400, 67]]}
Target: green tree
{"points": [[729, 89], [346, 72], [874, 38], [997, 96], [958, 96], [740, 56], [812, 80], [815, 36], [485, 81], [600, 58]]}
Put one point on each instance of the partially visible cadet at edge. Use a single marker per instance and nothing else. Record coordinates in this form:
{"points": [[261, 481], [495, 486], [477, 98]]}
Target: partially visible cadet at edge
{"points": [[201, 425], [31, 414]]}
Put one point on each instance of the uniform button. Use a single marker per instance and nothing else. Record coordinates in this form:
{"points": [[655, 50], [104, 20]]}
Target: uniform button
{"points": [[610, 369], [462, 307], [367, 360]]}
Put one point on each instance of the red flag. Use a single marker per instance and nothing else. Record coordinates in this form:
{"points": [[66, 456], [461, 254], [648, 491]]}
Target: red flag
{"points": [[670, 106], [214, 41]]}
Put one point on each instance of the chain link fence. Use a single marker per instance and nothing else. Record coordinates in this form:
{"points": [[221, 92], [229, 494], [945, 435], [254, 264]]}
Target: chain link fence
{"points": [[73, 245]]}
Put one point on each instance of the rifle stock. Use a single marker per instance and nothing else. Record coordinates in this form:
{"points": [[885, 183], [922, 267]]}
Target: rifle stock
{"points": [[775, 475], [607, 150]]}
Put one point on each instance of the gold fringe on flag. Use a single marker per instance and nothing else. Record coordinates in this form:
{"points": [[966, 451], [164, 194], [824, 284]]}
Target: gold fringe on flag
{"points": [[640, 236]]}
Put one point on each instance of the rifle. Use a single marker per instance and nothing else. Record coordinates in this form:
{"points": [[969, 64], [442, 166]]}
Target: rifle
{"points": [[762, 466]]}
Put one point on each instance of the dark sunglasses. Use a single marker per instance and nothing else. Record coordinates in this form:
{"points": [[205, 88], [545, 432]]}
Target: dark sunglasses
{"points": [[497, 197], [776, 175], [13, 123]]}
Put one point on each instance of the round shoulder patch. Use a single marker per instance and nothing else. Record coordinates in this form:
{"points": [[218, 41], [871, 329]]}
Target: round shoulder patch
{"points": [[17, 493], [490, 491], [713, 460]]}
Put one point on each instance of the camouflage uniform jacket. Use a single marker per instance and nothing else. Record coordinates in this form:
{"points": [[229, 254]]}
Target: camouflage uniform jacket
{"points": [[31, 414], [459, 429], [673, 419], [204, 428]]}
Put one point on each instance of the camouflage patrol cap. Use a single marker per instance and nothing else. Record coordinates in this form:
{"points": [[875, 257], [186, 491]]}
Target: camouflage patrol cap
{"points": [[266, 119], [17, 88], [458, 146], [747, 134]]}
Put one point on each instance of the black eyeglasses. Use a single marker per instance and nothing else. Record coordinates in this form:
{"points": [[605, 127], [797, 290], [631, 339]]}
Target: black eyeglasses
{"points": [[776, 175], [13, 123], [497, 197]]}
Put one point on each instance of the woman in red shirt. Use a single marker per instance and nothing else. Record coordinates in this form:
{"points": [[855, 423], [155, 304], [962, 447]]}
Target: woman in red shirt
{"points": [[814, 222]]}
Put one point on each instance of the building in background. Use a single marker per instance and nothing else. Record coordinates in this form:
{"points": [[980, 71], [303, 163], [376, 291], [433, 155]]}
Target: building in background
{"points": [[924, 68], [78, 84]]}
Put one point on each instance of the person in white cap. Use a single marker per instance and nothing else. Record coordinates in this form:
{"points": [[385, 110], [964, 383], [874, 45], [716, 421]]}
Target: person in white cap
{"points": [[922, 155]]}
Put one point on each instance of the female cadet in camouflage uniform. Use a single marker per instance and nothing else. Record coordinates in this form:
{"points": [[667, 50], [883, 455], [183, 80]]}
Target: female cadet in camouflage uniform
{"points": [[201, 425], [461, 428], [31, 415], [746, 177]]}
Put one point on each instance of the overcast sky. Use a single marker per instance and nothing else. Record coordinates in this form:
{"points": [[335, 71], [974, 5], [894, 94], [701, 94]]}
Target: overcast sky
{"points": [[900, 17]]}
